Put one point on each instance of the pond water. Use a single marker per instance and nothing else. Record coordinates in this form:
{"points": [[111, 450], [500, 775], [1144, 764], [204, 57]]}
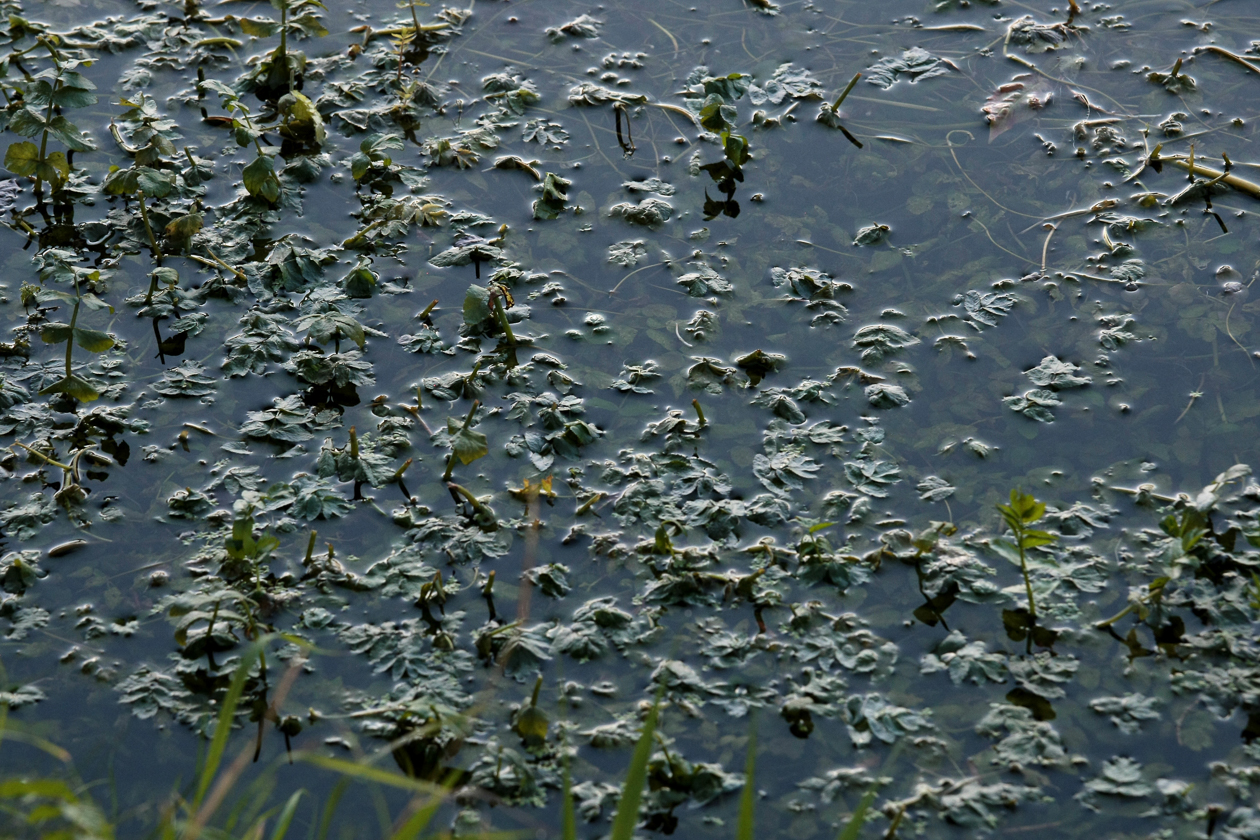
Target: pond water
{"points": [[446, 386]]}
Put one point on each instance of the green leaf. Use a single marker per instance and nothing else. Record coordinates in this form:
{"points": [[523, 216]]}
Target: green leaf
{"points": [[531, 725], [155, 182], [55, 333], [21, 158], [476, 306], [54, 169], [94, 341], [260, 179], [73, 386], [91, 301], [49, 295], [120, 181], [27, 122], [1006, 549], [226, 94], [736, 148], [1032, 539], [760, 364], [184, 227], [258, 28], [68, 133], [71, 96], [302, 121], [467, 444], [241, 545]]}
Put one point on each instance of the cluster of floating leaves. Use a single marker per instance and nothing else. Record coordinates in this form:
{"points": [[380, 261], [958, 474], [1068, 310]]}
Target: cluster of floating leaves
{"points": [[700, 517]]}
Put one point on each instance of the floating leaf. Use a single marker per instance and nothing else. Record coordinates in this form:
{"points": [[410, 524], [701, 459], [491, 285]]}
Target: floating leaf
{"points": [[984, 309], [1035, 404], [1120, 776], [759, 364], [879, 340], [788, 80], [554, 197], [627, 253], [886, 395], [583, 26], [1037, 37], [650, 212], [1057, 375], [913, 65], [934, 489], [871, 235], [1127, 712]]}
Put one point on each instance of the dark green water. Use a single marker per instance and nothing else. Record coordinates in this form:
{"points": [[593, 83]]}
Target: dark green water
{"points": [[1004, 286]]}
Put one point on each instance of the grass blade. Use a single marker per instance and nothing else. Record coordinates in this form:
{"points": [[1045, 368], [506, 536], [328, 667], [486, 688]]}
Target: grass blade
{"points": [[416, 822], [286, 816], [330, 807], [636, 779], [853, 827], [223, 725], [568, 817], [367, 773], [7, 731], [744, 828]]}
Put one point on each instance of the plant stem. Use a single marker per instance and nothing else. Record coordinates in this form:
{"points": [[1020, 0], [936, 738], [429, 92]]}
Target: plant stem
{"points": [[74, 316], [699, 413], [214, 261], [144, 215], [588, 504], [42, 456], [122, 144], [284, 37], [43, 143], [481, 509], [1243, 185], [358, 237], [1103, 625], [843, 94], [502, 316], [1023, 567], [415, 19], [148, 298]]}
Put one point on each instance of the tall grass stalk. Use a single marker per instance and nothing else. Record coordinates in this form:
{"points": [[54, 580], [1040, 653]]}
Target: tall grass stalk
{"points": [[744, 828], [636, 779]]}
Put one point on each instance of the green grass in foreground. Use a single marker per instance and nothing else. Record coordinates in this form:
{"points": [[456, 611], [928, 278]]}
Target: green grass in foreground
{"points": [[52, 809]]}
